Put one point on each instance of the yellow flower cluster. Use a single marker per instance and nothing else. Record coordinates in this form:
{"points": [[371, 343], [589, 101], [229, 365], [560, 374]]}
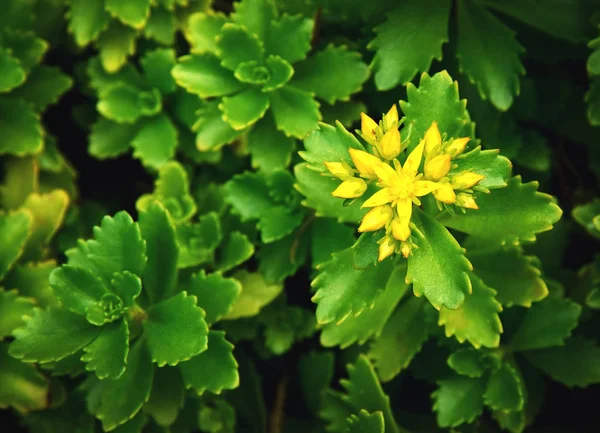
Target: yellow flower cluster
{"points": [[401, 185]]}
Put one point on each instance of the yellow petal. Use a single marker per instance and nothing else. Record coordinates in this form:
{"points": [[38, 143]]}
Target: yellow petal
{"points": [[466, 180], [368, 128], [405, 249], [457, 146], [386, 173], [376, 218], [390, 119], [424, 187], [437, 167], [364, 162], [400, 230], [381, 197], [339, 170], [445, 193], [350, 188], [433, 139], [411, 165], [390, 144], [386, 249], [466, 200]]}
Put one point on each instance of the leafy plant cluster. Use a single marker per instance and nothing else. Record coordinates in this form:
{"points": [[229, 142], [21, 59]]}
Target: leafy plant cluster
{"points": [[347, 216]]}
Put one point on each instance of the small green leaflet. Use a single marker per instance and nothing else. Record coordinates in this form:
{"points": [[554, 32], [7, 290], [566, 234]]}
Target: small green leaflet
{"points": [[458, 400]]}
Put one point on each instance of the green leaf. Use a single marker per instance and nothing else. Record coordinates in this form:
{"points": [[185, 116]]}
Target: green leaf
{"points": [[32, 281], [476, 319], [342, 291], [458, 400], [328, 237], [133, 13], [161, 26], [156, 141], [87, 19], [281, 259], [366, 422], [14, 230], [467, 362], [332, 74], [77, 288], [256, 293], [280, 73], [51, 335], [107, 354], [172, 190], [215, 369], [290, 37], [12, 309], [575, 364], [235, 45], [48, 212], [117, 246], [245, 108], [157, 65], [203, 75], [255, 15], [296, 112], [13, 74], [401, 339], [370, 322], [115, 45], [562, 19], [436, 99], [489, 54], [269, 148], [317, 189], [285, 326], [21, 386], [212, 132], [488, 163], [120, 399], [100, 80], [422, 24], [109, 139], [167, 396], [124, 103], [315, 370], [216, 294], [160, 273], [20, 178], [197, 242], [505, 390], [363, 391], [25, 46], [508, 215], [44, 86], [547, 323], [175, 330], [20, 128], [587, 216], [593, 100], [202, 31], [236, 249], [438, 254], [515, 277]]}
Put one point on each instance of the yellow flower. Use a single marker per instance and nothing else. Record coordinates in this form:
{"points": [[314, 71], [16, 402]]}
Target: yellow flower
{"points": [[376, 218], [437, 167], [433, 140], [457, 146], [445, 193], [340, 170], [364, 163], [466, 200], [369, 128], [466, 180], [390, 144], [350, 188], [390, 119], [386, 248]]}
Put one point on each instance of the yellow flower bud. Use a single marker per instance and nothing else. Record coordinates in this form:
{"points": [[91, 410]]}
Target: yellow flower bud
{"points": [[390, 144], [376, 218], [457, 146], [400, 229], [390, 119], [466, 180], [466, 200], [433, 140], [405, 249], [386, 248], [368, 128], [437, 167], [350, 188], [364, 162], [445, 194], [339, 169]]}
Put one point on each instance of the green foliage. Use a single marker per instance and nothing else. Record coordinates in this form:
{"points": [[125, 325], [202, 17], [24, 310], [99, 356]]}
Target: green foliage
{"points": [[205, 216]]}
